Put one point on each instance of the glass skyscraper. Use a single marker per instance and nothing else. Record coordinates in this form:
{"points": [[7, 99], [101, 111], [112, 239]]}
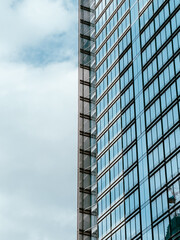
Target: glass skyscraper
{"points": [[129, 120]]}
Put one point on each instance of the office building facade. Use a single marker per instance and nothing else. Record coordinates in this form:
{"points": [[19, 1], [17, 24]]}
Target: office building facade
{"points": [[129, 120]]}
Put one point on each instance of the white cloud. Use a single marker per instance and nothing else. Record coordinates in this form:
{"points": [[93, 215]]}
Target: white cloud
{"points": [[30, 21], [38, 124], [38, 151]]}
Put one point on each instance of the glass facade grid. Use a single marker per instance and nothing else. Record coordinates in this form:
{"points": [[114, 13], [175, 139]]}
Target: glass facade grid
{"points": [[137, 83]]}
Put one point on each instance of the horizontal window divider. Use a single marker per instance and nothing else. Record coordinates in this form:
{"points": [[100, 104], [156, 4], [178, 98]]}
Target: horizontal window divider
{"points": [[116, 160], [165, 187], [112, 103], [166, 214], [156, 169], [156, 75], [161, 115], [120, 225], [107, 72], [120, 56], [88, 153], [97, 4], [116, 138], [172, 154], [88, 80], [162, 68], [84, 99], [87, 23], [85, 83], [154, 15], [162, 91], [115, 205], [86, 52], [82, 210], [164, 162], [87, 37], [158, 52], [103, 11], [86, 116], [176, 235], [158, 31], [86, 8], [108, 54], [160, 218], [109, 188], [137, 237], [174, 208], [143, 180], [82, 170], [87, 134], [164, 135], [110, 18], [164, 44], [169, 156], [145, 7], [85, 232], [111, 33], [123, 174], [115, 119], [111, 50], [119, 76], [111, 86], [125, 220], [85, 67], [83, 190]]}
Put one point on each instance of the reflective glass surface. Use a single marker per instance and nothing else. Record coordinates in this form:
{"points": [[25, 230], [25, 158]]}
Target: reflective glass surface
{"points": [[137, 65]]}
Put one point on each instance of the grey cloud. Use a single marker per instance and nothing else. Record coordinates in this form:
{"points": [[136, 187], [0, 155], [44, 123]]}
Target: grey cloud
{"points": [[32, 21]]}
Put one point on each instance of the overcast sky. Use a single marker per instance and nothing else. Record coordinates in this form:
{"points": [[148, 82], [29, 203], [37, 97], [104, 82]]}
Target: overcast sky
{"points": [[38, 119]]}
